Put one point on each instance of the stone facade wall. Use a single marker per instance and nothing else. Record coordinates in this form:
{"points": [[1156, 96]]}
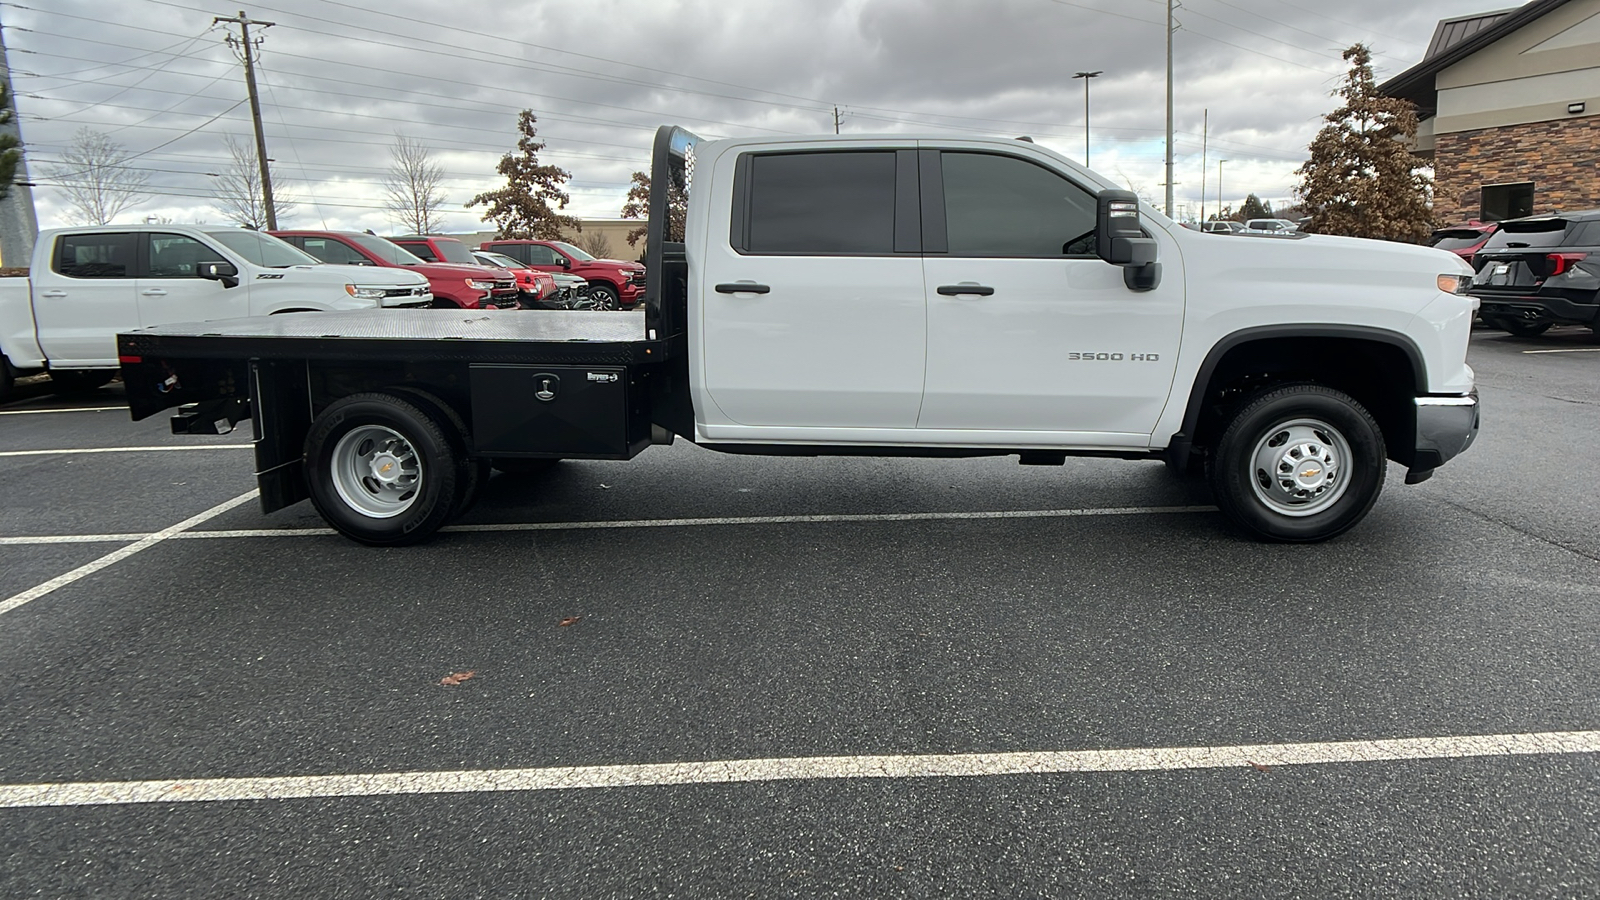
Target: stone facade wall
{"points": [[1561, 158]]}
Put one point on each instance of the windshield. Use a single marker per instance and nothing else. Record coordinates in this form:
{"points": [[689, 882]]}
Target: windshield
{"points": [[263, 249], [1536, 234], [388, 251], [1459, 239], [496, 259], [572, 251], [454, 252]]}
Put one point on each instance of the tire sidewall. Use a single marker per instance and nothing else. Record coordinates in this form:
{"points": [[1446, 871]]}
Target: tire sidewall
{"points": [[435, 504], [1232, 463], [605, 296]]}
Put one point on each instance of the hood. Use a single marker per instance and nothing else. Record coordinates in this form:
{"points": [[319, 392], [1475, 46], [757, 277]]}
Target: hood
{"points": [[621, 264], [460, 270], [377, 276]]}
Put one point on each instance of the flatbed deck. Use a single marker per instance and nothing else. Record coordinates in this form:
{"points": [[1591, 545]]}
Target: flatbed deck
{"points": [[415, 335]]}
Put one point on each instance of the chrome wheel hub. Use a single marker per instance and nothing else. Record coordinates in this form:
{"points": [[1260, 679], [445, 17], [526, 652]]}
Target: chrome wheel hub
{"points": [[376, 471], [1297, 468]]}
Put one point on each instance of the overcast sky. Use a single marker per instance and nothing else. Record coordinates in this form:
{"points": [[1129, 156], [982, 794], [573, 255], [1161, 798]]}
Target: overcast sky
{"points": [[340, 77]]}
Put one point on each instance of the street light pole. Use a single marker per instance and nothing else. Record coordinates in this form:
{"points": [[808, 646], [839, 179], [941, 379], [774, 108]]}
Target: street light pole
{"points": [[1170, 182], [1086, 76]]}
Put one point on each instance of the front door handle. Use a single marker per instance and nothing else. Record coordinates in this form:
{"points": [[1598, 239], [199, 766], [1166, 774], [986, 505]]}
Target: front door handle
{"points": [[153, 292], [54, 295], [956, 290], [743, 287]]}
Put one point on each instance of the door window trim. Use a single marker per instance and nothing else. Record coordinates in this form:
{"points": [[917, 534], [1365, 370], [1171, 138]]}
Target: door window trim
{"points": [[935, 230], [908, 237]]}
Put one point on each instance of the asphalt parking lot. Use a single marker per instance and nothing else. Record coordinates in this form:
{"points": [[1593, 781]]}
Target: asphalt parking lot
{"points": [[706, 675]]}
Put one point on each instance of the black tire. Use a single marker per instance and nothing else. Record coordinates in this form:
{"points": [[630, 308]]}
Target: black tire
{"points": [[1284, 504], [80, 381], [523, 466], [8, 379], [1522, 327], [412, 520], [604, 295], [472, 474]]}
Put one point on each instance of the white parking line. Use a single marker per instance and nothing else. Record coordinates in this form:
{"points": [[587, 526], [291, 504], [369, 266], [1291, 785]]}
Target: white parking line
{"points": [[179, 449], [21, 541], [1572, 350], [734, 771], [35, 412], [116, 556]]}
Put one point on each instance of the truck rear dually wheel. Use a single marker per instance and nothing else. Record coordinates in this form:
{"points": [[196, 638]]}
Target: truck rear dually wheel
{"points": [[381, 470], [1298, 463]]}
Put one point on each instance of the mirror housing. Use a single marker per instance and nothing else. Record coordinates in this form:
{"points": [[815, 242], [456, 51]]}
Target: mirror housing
{"points": [[225, 272], [1120, 239]]}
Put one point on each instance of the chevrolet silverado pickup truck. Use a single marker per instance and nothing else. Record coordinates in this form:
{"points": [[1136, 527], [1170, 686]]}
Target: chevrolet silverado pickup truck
{"points": [[87, 284], [896, 296]]}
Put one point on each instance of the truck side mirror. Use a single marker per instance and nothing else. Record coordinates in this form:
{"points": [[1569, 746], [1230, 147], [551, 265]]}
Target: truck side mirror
{"points": [[225, 272], [565, 262], [1120, 239]]}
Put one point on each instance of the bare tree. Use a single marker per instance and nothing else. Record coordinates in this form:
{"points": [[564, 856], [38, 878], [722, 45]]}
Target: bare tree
{"points": [[412, 186], [237, 190], [595, 243], [95, 175]]}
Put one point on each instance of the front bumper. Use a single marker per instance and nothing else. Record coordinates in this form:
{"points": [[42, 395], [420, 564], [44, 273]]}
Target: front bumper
{"points": [[1446, 426]]}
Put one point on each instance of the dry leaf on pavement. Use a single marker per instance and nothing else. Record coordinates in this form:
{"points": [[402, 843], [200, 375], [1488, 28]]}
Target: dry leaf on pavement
{"points": [[569, 620], [457, 678]]}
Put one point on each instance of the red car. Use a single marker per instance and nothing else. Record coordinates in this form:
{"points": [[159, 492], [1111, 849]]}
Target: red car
{"points": [[614, 284], [467, 287], [1463, 240], [436, 249], [534, 284]]}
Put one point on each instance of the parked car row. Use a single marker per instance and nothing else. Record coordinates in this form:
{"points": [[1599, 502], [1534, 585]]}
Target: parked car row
{"points": [[1538, 272]]}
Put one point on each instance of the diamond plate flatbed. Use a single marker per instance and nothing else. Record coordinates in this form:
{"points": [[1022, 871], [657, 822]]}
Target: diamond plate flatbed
{"points": [[582, 337]]}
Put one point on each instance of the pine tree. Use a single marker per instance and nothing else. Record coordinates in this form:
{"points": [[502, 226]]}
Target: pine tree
{"points": [[1361, 179], [10, 152], [1255, 209], [527, 206]]}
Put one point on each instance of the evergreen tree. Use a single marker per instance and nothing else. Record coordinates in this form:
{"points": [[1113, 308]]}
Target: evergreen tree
{"points": [[1362, 179], [10, 147], [527, 206], [1255, 209]]}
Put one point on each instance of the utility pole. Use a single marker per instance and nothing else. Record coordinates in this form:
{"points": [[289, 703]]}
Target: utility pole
{"points": [[1205, 135], [1086, 76], [1169, 108], [244, 43], [836, 120]]}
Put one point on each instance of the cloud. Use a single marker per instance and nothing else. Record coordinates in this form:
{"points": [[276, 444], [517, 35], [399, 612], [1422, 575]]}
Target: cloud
{"points": [[340, 77]]}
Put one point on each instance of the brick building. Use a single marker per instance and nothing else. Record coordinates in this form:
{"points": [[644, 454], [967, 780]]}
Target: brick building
{"points": [[1510, 109]]}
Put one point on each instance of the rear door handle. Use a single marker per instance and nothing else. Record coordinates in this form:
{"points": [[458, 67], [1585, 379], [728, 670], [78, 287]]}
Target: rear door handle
{"points": [[743, 287], [956, 290], [153, 292]]}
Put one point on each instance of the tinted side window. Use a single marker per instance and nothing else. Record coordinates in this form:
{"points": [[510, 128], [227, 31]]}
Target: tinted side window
{"points": [[1585, 235], [517, 252], [822, 203], [331, 251], [177, 255], [1004, 206], [95, 255], [422, 250], [540, 255]]}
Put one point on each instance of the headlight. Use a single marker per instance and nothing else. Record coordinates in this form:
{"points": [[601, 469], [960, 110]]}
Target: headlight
{"points": [[477, 285], [365, 292], [1454, 284]]}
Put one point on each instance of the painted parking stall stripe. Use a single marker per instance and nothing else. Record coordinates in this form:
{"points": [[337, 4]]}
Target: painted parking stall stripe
{"points": [[24, 540], [805, 768], [37, 412], [79, 450], [116, 556]]}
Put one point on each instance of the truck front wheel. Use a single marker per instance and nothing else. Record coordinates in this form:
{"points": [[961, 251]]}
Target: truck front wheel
{"points": [[1299, 463], [381, 470]]}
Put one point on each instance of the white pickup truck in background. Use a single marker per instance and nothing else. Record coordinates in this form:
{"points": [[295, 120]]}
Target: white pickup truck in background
{"points": [[87, 284]]}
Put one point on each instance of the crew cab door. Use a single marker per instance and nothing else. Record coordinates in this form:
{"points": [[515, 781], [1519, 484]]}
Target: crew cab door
{"points": [[85, 297], [1027, 329], [811, 292], [170, 290]]}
